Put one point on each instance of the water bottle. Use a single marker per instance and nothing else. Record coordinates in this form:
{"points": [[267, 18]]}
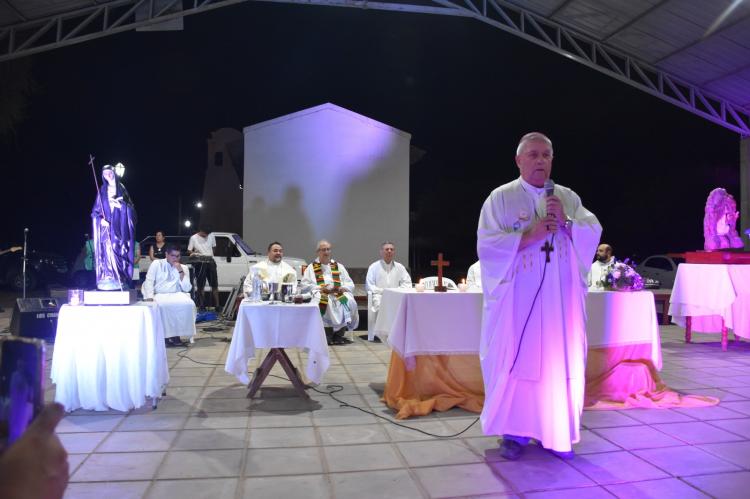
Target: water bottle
{"points": [[255, 296]]}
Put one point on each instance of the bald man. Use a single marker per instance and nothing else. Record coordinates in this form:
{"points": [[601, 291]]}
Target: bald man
{"points": [[604, 260]]}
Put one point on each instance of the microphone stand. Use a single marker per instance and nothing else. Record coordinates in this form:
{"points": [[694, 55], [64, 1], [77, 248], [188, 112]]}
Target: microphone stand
{"points": [[23, 268]]}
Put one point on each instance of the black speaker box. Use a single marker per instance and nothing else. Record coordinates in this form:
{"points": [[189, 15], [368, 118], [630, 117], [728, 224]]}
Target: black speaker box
{"points": [[35, 318]]}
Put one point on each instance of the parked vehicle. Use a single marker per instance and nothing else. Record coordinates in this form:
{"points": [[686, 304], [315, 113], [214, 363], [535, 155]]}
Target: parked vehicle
{"points": [[41, 268], [233, 257], [662, 268]]}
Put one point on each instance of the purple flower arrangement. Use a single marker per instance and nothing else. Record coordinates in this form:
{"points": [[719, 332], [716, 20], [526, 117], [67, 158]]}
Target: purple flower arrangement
{"points": [[622, 277]]}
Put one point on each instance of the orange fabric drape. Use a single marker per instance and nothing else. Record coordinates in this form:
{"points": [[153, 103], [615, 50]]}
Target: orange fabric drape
{"points": [[619, 377], [437, 383], [623, 377]]}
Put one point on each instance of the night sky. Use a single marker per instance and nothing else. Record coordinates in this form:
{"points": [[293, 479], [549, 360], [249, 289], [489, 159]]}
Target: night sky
{"points": [[464, 90]]}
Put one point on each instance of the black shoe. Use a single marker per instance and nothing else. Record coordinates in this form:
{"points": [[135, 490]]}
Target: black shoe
{"points": [[174, 342], [564, 455], [329, 341], [511, 450], [377, 340], [345, 341], [338, 341]]}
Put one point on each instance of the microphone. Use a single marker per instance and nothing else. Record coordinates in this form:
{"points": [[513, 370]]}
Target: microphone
{"points": [[26, 230], [549, 187]]}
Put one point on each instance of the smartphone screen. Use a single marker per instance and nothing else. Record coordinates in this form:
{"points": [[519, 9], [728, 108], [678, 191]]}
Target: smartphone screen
{"points": [[21, 385]]}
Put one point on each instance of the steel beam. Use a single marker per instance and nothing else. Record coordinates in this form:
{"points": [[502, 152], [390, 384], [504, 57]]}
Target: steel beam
{"points": [[28, 38]]}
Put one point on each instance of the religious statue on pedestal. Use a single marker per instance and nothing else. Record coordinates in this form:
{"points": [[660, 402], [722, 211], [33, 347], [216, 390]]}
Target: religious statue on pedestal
{"points": [[113, 218], [720, 221]]}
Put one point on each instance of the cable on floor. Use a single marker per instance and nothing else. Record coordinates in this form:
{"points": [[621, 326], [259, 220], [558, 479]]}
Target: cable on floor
{"points": [[331, 390]]}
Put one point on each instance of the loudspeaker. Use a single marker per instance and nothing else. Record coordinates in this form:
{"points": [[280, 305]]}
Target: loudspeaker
{"points": [[35, 318]]}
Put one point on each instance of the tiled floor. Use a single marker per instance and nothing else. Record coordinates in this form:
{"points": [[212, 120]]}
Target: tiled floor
{"points": [[207, 440]]}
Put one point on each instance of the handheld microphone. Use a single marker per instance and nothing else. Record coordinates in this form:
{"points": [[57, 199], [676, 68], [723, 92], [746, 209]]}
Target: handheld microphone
{"points": [[549, 187], [26, 230]]}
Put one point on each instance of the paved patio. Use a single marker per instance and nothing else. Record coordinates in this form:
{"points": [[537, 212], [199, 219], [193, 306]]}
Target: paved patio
{"points": [[207, 440]]}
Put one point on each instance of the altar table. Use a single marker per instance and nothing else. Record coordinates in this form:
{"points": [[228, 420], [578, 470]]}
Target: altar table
{"points": [[711, 299], [109, 357], [435, 339], [277, 326]]}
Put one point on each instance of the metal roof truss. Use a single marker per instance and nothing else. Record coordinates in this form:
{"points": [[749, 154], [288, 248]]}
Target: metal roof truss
{"points": [[116, 16]]}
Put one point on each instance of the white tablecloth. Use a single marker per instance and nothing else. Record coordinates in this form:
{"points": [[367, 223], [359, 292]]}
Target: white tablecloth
{"points": [[260, 325], [432, 323], [618, 318], [710, 293], [108, 357]]}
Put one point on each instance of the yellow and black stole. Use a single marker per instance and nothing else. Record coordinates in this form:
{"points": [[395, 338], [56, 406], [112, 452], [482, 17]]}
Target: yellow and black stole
{"points": [[320, 281]]}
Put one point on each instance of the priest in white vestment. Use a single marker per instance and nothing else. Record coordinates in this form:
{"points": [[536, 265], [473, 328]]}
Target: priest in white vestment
{"points": [[474, 277], [601, 266], [168, 284], [385, 273], [333, 289], [272, 269], [533, 347]]}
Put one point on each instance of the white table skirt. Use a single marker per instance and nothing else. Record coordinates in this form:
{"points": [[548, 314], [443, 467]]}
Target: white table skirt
{"points": [[710, 294], [432, 323], [618, 318], [109, 357], [260, 325]]}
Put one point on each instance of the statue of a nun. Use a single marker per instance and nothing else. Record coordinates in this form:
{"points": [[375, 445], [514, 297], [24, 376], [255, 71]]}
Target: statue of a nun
{"points": [[114, 219]]}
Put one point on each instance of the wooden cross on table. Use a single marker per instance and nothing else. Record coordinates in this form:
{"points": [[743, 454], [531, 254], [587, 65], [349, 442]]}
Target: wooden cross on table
{"points": [[440, 263], [547, 248]]}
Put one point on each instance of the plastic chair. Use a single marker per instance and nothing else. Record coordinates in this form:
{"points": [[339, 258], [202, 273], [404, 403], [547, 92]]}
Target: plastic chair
{"points": [[431, 282], [371, 318]]}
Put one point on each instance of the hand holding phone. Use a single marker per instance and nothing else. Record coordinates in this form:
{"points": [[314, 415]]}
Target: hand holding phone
{"points": [[21, 385], [36, 465]]}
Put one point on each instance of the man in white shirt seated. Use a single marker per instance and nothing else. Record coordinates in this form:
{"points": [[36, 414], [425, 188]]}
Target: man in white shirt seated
{"points": [[272, 269], [474, 277], [331, 286], [600, 267], [168, 284], [201, 245], [385, 273]]}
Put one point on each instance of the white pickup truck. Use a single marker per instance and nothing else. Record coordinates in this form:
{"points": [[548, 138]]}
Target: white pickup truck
{"points": [[232, 255]]}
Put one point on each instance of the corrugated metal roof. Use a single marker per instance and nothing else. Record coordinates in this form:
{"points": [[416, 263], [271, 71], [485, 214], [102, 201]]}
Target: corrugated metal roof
{"points": [[671, 35]]}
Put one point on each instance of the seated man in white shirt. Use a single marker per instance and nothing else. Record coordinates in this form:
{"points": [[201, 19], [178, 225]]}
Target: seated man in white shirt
{"points": [[202, 244], [331, 286], [385, 273], [600, 267], [168, 284], [474, 277], [272, 269]]}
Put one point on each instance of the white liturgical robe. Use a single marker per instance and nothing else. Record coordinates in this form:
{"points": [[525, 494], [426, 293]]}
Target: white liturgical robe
{"points": [[598, 272], [337, 315], [176, 309], [474, 276], [533, 360], [270, 272], [381, 275]]}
